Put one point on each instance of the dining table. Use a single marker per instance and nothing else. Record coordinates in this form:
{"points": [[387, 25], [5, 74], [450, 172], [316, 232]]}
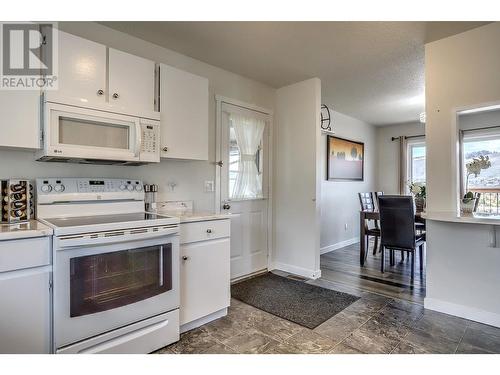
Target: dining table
{"points": [[373, 215]]}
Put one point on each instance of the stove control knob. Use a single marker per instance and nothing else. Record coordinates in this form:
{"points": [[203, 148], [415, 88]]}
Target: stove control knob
{"points": [[122, 187], [59, 188], [46, 188], [138, 187], [130, 187]]}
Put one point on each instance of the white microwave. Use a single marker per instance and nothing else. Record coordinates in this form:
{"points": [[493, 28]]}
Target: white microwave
{"points": [[92, 136]]}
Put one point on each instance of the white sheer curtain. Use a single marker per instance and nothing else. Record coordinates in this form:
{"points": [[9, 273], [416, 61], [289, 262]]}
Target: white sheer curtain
{"points": [[248, 133]]}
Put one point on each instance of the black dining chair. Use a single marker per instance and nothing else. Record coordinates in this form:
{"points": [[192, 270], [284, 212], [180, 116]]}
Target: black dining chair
{"points": [[376, 195], [397, 229], [367, 203]]}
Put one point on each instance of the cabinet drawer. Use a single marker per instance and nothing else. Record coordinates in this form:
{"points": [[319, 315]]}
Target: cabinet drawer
{"points": [[27, 253], [205, 230]]}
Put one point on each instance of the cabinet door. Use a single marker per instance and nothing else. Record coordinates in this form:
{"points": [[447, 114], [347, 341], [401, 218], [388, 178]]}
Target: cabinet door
{"points": [[25, 311], [19, 119], [205, 285], [131, 82], [82, 69], [184, 114]]}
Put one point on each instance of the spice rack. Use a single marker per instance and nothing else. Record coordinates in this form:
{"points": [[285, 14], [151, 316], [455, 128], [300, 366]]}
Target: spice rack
{"points": [[17, 201]]}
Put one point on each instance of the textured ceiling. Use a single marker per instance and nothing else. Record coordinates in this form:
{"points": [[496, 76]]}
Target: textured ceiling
{"points": [[373, 71]]}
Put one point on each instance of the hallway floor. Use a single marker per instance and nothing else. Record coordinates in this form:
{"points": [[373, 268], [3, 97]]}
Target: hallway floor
{"points": [[373, 324], [342, 270]]}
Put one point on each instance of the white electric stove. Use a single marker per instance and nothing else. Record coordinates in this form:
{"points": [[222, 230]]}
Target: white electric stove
{"points": [[116, 267]]}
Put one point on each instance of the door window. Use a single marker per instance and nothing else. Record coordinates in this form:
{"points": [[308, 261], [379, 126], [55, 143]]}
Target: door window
{"points": [[105, 281], [245, 157]]}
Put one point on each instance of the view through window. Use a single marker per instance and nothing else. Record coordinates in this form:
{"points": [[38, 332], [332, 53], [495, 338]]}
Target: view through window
{"points": [[487, 182], [416, 162]]}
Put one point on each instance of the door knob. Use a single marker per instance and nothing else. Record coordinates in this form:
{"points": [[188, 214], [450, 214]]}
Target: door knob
{"points": [[185, 258], [226, 206], [209, 230], [165, 149], [116, 96], [100, 92]]}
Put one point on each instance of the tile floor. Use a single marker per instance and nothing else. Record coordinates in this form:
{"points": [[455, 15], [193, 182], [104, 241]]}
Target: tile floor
{"points": [[373, 324]]}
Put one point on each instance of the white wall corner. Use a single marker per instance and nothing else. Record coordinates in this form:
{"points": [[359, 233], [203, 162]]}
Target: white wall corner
{"points": [[466, 312], [339, 245], [299, 271]]}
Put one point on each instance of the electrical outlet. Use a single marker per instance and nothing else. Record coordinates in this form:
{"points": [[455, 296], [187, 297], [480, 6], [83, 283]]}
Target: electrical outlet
{"points": [[345, 226], [209, 186]]}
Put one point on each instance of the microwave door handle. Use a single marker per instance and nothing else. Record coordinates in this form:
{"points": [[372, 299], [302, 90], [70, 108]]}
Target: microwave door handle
{"points": [[138, 138]]}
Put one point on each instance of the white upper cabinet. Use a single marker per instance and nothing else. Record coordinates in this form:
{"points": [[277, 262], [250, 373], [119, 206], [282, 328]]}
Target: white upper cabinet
{"points": [[131, 81], [82, 69], [93, 74], [184, 114], [20, 119]]}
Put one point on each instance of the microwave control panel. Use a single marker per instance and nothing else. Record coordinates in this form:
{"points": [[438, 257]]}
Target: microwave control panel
{"points": [[150, 145]]}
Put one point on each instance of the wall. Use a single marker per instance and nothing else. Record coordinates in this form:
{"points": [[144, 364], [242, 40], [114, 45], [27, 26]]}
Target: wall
{"points": [[189, 175], [297, 178], [388, 154], [461, 71], [339, 199], [462, 268], [479, 120]]}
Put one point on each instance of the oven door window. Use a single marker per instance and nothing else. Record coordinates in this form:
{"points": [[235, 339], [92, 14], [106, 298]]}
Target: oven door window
{"points": [[106, 281]]}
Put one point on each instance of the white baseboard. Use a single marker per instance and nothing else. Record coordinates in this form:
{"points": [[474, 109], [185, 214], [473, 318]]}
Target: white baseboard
{"points": [[339, 245], [299, 271], [204, 320], [462, 311]]}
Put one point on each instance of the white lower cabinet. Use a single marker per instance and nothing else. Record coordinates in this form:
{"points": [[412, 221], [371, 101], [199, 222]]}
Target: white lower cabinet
{"points": [[25, 299], [205, 273]]}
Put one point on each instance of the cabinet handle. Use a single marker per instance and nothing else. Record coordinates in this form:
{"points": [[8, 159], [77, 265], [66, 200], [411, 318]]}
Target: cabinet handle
{"points": [[100, 92], [185, 257], [165, 149], [209, 231], [115, 95]]}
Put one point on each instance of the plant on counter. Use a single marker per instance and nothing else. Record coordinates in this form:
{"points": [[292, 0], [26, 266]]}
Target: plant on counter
{"points": [[474, 167], [417, 189], [419, 193]]}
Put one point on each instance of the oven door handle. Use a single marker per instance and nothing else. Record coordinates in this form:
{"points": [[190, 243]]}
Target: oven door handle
{"points": [[86, 240]]}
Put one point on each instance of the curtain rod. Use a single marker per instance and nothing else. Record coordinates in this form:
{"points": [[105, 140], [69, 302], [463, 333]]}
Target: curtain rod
{"points": [[483, 128], [408, 137]]}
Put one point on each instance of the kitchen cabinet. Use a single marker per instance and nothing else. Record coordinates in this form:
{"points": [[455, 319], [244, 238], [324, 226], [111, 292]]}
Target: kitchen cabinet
{"points": [[184, 114], [94, 74], [131, 82], [205, 274], [20, 119], [25, 295], [81, 70]]}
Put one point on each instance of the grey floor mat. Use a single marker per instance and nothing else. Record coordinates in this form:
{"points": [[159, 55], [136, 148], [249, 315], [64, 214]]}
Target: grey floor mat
{"points": [[301, 303]]}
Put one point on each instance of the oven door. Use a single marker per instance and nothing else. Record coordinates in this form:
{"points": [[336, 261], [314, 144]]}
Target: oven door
{"points": [[101, 287], [74, 132]]}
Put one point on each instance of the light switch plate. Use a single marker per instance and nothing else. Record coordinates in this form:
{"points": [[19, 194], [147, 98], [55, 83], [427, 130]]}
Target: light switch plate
{"points": [[209, 186]]}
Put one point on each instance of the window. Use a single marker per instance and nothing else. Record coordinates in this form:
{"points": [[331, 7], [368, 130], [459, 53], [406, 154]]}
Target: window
{"points": [[476, 144], [416, 161], [246, 140]]}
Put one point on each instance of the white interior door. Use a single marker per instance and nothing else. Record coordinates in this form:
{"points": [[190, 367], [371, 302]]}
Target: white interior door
{"points": [[244, 181]]}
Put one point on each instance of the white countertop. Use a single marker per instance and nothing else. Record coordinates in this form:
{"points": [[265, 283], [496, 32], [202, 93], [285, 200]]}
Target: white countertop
{"points": [[453, 217], [32, 228], [189, 216]]}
